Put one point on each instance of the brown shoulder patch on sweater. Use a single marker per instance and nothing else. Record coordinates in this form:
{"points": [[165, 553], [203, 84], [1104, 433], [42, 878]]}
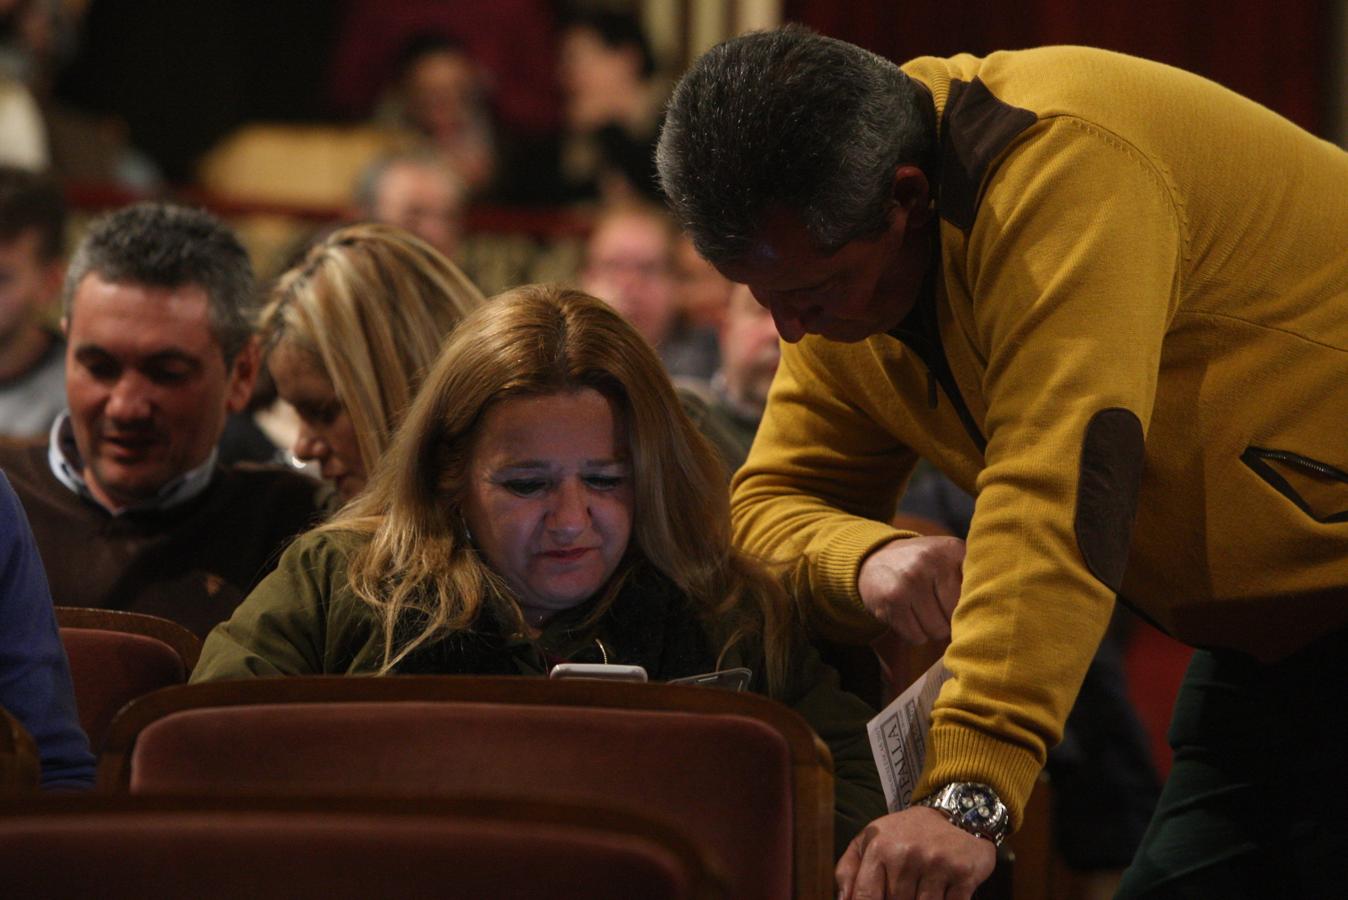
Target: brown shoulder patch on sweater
{"points": [[1113, 451], [975, 128]]}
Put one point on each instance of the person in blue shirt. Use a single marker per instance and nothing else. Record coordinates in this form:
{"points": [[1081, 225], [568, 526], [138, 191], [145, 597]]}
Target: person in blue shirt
{"points": [[35, 684]]}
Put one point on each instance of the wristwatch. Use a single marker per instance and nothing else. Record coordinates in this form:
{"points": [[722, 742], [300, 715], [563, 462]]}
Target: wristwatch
{"points": [[974, 807]]}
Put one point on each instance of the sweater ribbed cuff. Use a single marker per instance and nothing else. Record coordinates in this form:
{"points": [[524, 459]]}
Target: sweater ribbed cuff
{"points": [[834, 578], [955, 753]]}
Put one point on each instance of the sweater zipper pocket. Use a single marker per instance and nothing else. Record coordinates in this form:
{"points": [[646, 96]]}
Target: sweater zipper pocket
{"points": [[1258, 459]]}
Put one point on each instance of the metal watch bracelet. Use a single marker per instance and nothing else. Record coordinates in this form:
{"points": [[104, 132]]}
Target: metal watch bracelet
{"points": [[973, 807]]}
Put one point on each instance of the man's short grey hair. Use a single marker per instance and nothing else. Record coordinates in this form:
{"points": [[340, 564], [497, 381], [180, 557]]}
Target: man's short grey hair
{"points": [[168, 246], [789, 119]]}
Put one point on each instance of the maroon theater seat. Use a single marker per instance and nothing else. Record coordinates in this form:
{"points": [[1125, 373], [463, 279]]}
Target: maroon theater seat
{"points": [[358, 848], [740, 771], [20, 767], [116, 657]]}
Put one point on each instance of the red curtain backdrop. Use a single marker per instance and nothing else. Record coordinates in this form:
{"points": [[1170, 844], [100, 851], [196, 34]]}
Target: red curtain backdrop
{"points": [[1274, 52]]}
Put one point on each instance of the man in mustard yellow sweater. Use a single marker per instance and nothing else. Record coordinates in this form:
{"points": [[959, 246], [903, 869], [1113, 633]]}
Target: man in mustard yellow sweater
{"points": [[1110, 298]]}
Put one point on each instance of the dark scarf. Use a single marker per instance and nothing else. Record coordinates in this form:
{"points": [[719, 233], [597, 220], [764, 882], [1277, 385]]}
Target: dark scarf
{"points": [[650, 624]]}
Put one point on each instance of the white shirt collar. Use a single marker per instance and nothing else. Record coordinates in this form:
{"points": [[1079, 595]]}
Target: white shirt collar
{"points": [[63, 455]]}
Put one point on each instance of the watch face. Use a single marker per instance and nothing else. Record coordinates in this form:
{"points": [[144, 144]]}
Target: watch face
{"points": [[978, 809]]}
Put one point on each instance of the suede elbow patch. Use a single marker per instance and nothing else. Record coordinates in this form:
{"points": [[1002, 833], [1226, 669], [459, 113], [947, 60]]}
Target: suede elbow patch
{"points": [[1113, 452]]}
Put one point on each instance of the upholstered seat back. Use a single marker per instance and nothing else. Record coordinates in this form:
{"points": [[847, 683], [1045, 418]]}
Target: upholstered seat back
{"points": [[118, 656], [110, 669], [201, 848], [727, 778]]}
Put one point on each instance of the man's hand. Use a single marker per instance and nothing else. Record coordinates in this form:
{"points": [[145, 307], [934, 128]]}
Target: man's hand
{"points": [[914, 855], [912, 585]]}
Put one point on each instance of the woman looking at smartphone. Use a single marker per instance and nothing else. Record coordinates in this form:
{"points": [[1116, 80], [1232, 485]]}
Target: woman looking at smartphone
{"points": [[545, 500]]}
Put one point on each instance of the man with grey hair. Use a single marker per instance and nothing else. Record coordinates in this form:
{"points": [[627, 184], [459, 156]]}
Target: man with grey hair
{"points": [[128, 504], [1110, 299]]}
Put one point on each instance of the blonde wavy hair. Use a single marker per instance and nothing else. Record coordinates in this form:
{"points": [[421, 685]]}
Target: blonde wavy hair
{"points": [[419, 567], [371, 305]]}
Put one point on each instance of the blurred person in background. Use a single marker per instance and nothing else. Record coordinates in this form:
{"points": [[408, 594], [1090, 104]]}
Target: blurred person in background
{"points": [[418, 191], [439, 92], [750, 352], [612, 104], [704, 293], [629, 265], [26, 54], [23, 135], [738, 391], [38, 40], [349, 332], [32, 352]]}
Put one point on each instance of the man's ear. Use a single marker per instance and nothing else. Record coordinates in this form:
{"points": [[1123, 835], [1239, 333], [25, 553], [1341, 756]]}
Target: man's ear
{"points": [[242, 376], [912, 194]]}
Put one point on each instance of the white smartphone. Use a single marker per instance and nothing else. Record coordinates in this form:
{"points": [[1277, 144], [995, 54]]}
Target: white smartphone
{"points": [[600, 671]]}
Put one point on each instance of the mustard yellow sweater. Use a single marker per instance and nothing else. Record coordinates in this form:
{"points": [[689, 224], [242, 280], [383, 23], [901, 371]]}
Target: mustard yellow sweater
{"points": [[1141, 303]]}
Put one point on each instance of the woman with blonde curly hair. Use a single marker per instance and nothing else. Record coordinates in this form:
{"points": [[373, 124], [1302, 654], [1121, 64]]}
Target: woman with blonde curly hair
{"points": [[350, 332], [546, 499]]}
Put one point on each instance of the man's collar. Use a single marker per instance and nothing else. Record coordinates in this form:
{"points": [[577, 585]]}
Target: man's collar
{"points": [[63, 455]]}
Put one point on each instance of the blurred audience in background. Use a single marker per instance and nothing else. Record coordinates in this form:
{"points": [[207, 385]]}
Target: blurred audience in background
{"points": [[32, 352], [512, 43], [612, 101], [704, 293], [38, 39], [750, 352], [30, 44], [629, 265], [438, 92], [418, 191], [23, 135]]}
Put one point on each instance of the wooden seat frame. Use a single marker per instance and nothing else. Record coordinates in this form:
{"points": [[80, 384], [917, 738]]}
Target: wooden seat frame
{"points": [[707, 881], [184, 642]]}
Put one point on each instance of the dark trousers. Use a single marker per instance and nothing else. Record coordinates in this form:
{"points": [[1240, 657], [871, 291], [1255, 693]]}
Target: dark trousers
{"points": [[1256, 804], [1102, 762]]}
